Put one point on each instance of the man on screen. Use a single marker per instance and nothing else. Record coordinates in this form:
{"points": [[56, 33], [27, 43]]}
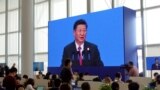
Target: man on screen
{"points": [[81, 52], [156, 65]]}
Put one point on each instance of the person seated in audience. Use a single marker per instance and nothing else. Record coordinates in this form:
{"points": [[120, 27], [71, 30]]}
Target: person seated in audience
{"points": [[129, 81], [155, 76], [56, 84], [9, 82], [47, 76], [97, 79], [29, 84], [40, 75], [133, 71], [65, 86], [156, 65], [80, 78], [85, 86], [66, 73], [115, 86], [153, 84], [24, 79], [18, 83], [50, 83], [133, 86], [118, 78], [107, 80]]}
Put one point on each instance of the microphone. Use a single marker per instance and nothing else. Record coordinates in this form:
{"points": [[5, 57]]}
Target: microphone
{"points": [[88, 51], [73, 56]]}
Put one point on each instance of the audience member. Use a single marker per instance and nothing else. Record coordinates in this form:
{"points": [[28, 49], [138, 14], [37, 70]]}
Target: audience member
{"points": [[9, 82], [40, 75], [47, 76], [29, 84], [97, 79], [133, 71], [66, 72], [155, 76], [1, 71], [133, 86], [85, 86], [107, 80], [129, 81], [80, 77], [14, 65], [118, 78], [18, 84], [6, 69], [65, 86], [56, 84], [115, 86]]}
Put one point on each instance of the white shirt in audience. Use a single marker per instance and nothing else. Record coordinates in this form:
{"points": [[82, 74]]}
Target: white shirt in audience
{"points": [[29, 87]]}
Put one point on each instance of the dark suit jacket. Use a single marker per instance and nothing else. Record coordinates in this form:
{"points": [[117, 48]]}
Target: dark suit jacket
{"points": [[66, 75], [91, 57]]}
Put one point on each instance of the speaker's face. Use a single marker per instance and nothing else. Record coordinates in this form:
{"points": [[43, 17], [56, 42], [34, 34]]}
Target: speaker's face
{"points": [[80, 33]]}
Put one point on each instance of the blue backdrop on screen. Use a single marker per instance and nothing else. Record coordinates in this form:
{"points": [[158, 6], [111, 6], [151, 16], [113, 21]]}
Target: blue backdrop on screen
{"points": [[105, 29], [150, 61]]}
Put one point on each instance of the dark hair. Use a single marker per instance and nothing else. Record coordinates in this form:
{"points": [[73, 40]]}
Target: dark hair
{"points": [[97, 79], [118, 75], [115, 86], [155, 74], [25, 76], [67, 61], [29, 81], [18, 77], [158, 79], [133, 86], [54, 76], [12, 70], [65, 86], [78, 22], [130, 63], [81, 75], [57, 82], [85, 86]]}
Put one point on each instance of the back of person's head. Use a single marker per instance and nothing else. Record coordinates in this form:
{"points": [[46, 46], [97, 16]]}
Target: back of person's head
{"points": [[158, 79], [54, 76], [130, 63], [85, 86], [80, 22], [118, 75], [133, 86], [13, 70], [155, 74], [97, 79], [57, 82], [81, 75], [29, 81], [129, 81], [115, 86], [65, 86], [25, 76], [67, 62]]}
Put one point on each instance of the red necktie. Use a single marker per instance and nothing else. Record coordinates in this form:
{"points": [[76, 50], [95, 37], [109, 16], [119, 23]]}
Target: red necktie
{"points": [[80, 56]]}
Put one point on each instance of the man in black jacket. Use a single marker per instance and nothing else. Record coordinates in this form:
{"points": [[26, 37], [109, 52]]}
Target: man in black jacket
{"points": [[66, 74], [81, 52]]}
